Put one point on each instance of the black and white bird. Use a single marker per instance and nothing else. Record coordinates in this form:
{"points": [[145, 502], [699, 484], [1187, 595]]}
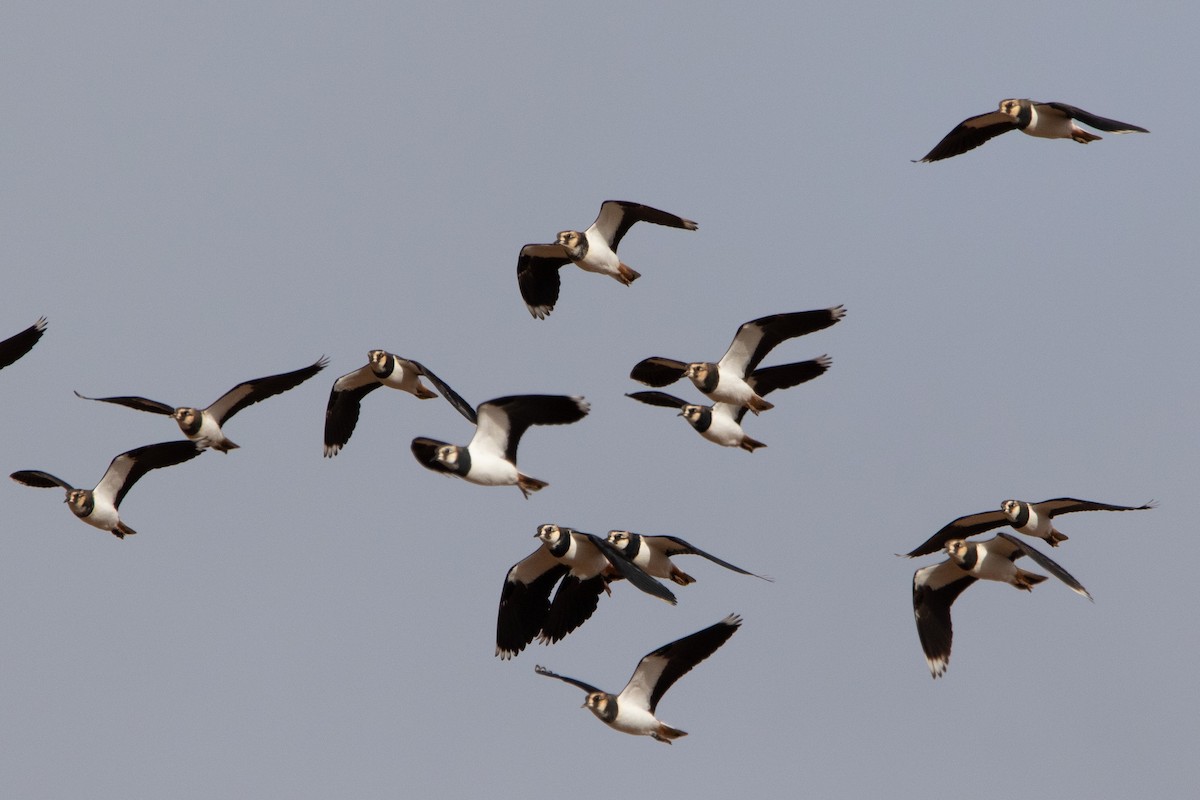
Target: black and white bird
{"points": [[593, 250], [632, 711], [726, 380], [203, 426], [935, 588], [721, 423], [653, 555], [585, 563], [98, 507], [1031, 519], [18, 345], [1044, 120], [382, 369], [490, 459]]}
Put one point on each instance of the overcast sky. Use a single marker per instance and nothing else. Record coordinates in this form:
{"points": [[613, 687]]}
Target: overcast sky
{"points": [[200, 194]]}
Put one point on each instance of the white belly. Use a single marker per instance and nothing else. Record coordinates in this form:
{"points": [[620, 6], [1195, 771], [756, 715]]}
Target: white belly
{"points": [[490, 470]]}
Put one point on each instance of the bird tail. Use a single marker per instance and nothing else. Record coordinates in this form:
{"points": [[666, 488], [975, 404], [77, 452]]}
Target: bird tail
{"points": [[425, 393], [666, 733], [626, 275], [680, 577], [1055, 538], [750, 445], [758, 404], [122, 530], [528, 485], [1026, 580], [1082, 136]]}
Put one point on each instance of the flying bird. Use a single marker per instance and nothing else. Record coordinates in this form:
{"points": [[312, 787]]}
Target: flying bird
{"points": [[593, 250], [1031, 519], [490, 459], [584, 562], [726, 380], [935, 588], [721, 423], [203, 426], [382, 369], [98, 507], [18, 345], [632, 711], [1044, 120], [653, 555]]}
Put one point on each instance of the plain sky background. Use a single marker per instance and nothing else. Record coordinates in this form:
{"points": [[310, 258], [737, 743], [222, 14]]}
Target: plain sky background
{"points": [[200, 194]]}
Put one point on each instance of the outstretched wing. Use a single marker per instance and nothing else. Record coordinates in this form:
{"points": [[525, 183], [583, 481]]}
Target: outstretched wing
{"points": [[969, 134], [125, 470], [1099, 123], [345, 399], [658, 371], [756, 338], [39, 479], [674, 546], [139, 403], [525, 600], [16, 346], [453, 397], [658, 399], [251, 392], [587, 687], [618, 216], [1069, 505], [1045, 562], [960, 528], [630, 571], [538, 277], [502, 421], [658, 671], [934, 590]]}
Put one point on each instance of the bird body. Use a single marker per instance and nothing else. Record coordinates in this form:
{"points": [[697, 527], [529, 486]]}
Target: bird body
{"points": [[633, 711], [730, 380], [592, 250], [203, 425], [1043, 120], [98, 507], [490, 458]]}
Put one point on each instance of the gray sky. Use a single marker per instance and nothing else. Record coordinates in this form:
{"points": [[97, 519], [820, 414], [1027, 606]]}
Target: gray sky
{"points": [[200, 195]]}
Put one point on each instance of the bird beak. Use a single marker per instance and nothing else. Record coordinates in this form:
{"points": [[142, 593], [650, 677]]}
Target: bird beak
{"points": [[584, 704]]}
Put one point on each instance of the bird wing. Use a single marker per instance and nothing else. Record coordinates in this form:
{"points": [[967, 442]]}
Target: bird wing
{"points": [[587, 687], [674, 546], [251, 392], [1020, 548], [341, 412], [960, 528], [756, 338], [658, 371], [538, 278], [453, 397], [658, 399], [1068, 505], [425, 450], [525, 600], [139, 403], [1091, 120], [618, 216], [658, 671], [935, 588], [502, 421], [39, 479], [970, 133], [125, 470], [18, 345], [784, 376], [573, 604], [630, 571]]}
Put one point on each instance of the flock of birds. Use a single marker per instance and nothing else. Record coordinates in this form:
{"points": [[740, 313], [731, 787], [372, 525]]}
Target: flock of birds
{"points": [[581, 565]]}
